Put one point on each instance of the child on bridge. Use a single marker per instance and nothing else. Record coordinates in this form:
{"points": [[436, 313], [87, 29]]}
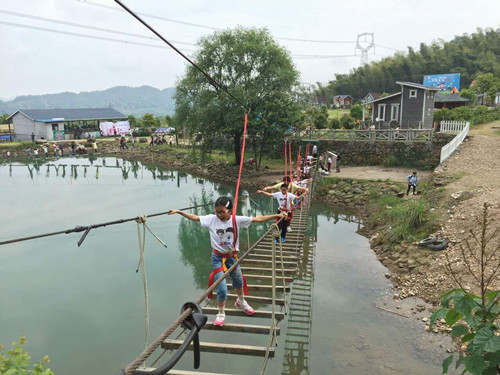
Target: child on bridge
{"points": [[225, 250], [285, 201]]}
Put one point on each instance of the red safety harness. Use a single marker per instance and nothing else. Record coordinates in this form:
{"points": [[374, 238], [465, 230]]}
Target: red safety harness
{"points": [[224, 268]]}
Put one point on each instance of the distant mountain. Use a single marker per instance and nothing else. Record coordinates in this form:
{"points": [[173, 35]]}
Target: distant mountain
{"points": [[128, 100]]}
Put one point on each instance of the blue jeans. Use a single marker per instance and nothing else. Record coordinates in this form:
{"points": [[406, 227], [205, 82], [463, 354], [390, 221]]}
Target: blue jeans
{"points": [[235, 275]]}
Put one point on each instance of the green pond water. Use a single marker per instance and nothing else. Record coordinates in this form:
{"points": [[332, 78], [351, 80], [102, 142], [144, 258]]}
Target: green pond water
{"points": [[84, 306]]}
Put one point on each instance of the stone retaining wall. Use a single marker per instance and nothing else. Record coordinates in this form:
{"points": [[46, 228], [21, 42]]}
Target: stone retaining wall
{"points": [[420, 155]]}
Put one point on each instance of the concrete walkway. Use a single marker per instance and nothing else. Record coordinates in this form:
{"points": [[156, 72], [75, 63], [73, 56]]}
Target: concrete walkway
{"points": [[396, 174]]}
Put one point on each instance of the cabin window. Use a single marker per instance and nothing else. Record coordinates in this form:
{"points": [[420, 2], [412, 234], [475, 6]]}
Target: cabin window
{"points": [[381, 112], [413, 94], [394, 112]]}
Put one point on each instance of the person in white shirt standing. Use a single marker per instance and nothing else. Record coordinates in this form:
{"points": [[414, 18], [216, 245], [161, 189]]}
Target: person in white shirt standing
{"points": [[225, 250], [285, 201], [315, 151]]}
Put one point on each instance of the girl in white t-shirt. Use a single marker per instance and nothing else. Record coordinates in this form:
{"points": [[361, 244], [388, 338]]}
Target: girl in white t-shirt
{"points": [[225, 249], [285, 202]]}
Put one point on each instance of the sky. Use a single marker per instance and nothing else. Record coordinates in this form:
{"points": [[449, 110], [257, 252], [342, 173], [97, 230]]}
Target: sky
{"points": [[36, 62]]}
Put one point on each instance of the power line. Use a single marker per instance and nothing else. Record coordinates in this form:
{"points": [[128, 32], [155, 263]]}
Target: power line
{"points": [[300, 56], [86, 35], [211, 27], [38, 18], [381, 46], [212, 81]]}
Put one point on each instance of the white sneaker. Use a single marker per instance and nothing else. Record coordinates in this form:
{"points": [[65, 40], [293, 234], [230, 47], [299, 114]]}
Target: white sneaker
{"points": [[289, 229], [219, 319], [245, 307]]}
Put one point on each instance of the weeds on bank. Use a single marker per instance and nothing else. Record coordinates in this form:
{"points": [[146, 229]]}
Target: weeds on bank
{"points": [[18, 362], [405, 219]]}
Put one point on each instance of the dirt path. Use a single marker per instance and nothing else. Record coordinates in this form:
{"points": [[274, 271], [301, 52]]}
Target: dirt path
{"points": [[475, 174], [379, 173]]}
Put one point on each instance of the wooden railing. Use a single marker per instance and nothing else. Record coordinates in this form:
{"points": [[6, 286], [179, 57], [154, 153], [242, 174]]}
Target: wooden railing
{"points": [[452, 127], [356, 135]]}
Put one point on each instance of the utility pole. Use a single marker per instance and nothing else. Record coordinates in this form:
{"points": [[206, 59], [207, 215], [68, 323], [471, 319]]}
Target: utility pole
{"points": [[364, 46]]}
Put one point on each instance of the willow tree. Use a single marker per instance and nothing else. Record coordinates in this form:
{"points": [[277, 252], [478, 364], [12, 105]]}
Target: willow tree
{"points": [[256, 70]]}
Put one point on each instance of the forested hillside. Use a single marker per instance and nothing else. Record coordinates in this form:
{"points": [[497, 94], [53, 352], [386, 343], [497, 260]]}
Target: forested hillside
{"points": [[466, 54], [128, 100]]}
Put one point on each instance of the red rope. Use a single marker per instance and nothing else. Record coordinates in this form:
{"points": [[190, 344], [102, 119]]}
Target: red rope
{"points": [[298, 161], [286, 161], [235, 206], [290, 156]]}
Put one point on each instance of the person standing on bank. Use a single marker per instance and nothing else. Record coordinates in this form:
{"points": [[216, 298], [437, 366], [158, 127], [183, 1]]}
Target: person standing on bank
{"points": [[412, 182], [337, 164], [33, 137], [315, 151], [225, 250]]}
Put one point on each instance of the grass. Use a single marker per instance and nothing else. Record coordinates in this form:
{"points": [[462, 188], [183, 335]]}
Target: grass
{"points": [[405, 219], [337, 113]]}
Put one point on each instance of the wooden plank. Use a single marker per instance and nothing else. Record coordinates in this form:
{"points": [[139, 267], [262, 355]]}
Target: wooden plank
{"points": [[267, 300], [267, 278], [245, 328], [238, 312], [268, 257], [268, 270], [268, 288], [182, 372], [215, 347], [268, 262]]}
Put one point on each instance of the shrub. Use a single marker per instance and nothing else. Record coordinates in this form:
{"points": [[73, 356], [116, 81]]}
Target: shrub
{"points": [[462, 114], [335, 123], [356, 112], [144, 132], [347, 122], [390, 161], [17, 361]]}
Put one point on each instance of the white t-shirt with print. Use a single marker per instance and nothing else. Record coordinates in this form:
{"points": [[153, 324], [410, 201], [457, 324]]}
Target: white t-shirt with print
{"points": [[281, 198], [221, 232]]}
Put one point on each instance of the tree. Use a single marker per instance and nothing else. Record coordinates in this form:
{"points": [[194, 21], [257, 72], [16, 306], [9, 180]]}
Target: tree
{"points": [[356, 112], [132, 121], [469, 95], [148, 120], [168, 120], [488, 84], [3, 118], [255, 69]]}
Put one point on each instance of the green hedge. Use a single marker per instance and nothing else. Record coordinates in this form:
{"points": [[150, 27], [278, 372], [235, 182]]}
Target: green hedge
{"points": [[479, 115]]}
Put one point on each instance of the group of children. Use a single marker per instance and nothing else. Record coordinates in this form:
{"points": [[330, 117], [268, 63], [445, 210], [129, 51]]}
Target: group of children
{"points": [[225, 245]]}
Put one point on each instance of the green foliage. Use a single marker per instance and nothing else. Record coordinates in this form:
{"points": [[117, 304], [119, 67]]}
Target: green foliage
{"points": [[318, 115], [489, 84], [334, 123], [347, 122], [132, 121], [357, 111], [255, 69], [148, 120], [472, 318], [390, 161], [406, 219], [468, 94], [465, 54], [17, 361], [479, 115], [3, 118], [143, 132]]}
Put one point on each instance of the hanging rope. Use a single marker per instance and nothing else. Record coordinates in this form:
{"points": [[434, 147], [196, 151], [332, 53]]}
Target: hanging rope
{"points": [[235, 206], [290, 157], [142, 242], [286, 159]]}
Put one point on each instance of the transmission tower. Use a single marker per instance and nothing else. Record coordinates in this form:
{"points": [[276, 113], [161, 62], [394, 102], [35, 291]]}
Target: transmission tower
{"points": [[364, 46]]}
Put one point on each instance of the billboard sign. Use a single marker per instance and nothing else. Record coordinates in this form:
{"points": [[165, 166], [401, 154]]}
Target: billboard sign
{"points": [[445, 82]]}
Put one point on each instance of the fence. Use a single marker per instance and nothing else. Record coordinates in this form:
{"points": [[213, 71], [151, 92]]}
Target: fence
{"points": [[357, 135], [452, 127], [449, 148]]}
